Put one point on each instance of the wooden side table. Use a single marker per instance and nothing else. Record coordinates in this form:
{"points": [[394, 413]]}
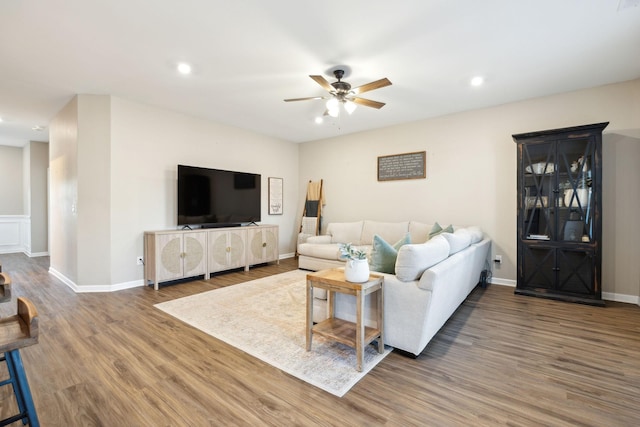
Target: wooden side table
{"points": [[353, 334]]}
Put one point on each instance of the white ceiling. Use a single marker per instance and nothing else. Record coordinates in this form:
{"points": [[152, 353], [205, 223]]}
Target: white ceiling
{"points": [[249, 55]]}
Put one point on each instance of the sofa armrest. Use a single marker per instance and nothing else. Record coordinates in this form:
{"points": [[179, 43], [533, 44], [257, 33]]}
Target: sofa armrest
{"points": [[303, 238], [319, 239]]}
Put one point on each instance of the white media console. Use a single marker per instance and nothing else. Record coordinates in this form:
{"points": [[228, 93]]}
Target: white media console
{"points": [[178, 254]]}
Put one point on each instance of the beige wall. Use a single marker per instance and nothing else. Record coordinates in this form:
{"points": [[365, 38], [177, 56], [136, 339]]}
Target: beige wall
{"points": [[113, 168], [24, 198], [471, 173], [148, 143], [37, 195], [94, 190], [470, 176], [11, 165]]}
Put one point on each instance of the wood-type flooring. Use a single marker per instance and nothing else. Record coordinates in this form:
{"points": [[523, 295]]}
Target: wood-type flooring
{"points": [[112, 359]]}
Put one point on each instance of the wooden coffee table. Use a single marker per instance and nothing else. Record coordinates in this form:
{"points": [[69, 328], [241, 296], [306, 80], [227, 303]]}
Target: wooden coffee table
{"points": [[353, 334]]}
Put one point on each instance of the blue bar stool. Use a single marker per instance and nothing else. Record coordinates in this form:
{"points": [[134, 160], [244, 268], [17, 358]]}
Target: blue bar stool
{"points": [[16, 332]]}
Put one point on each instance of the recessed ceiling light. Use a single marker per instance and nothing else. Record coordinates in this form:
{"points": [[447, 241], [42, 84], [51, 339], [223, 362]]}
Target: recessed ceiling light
{"points": [[38, 128], [0, 119], [477, 81], [184, 68], [319, 120]]}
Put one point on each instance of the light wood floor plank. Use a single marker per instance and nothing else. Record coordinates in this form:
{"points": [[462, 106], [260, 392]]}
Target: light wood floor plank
{"points": [[112, 359]]}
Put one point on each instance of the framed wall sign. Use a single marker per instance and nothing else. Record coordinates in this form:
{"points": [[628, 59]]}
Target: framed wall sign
{"points": [[402, 166], [275, 196]]}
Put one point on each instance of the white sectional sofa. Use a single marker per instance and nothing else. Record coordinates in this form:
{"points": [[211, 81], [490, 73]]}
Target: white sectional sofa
{"points": [[431, 276]]}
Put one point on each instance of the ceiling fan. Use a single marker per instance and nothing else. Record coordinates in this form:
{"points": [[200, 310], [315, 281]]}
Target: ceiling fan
{"points": [[342, 93]]}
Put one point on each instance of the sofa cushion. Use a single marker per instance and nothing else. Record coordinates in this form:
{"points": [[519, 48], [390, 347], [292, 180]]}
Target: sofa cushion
{"points": [[414, 259], [389, 231], [345, 232], [419, 231], [458, 240], [437, 229], [383, 255], [319, 250]]}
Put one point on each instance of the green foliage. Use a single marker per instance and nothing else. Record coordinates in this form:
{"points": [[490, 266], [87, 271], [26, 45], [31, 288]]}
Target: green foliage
{"points": [[348, 251]]}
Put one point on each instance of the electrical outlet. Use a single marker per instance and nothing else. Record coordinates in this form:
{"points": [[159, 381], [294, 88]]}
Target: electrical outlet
{"points": [[498, 258], [140, 261]]}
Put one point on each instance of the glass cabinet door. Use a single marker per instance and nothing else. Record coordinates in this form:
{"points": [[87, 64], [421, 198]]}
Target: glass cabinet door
{"points": [[575, 161], [557, 190]]}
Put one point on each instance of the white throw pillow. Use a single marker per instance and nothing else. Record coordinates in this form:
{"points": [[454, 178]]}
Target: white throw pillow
{"points": [[476, 234], [458, 240], [345, 232], [414, 259]]}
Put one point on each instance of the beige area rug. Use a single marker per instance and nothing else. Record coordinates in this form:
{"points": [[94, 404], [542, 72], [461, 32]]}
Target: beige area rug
{"points": [[266, 319]]}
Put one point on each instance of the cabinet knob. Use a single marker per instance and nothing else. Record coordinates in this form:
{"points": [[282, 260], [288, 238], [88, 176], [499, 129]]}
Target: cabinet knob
{"points": [[264, 245], [228, 249]]}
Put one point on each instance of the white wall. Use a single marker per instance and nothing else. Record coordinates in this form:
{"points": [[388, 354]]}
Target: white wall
{"points": [[148, 143], [471, 172]]}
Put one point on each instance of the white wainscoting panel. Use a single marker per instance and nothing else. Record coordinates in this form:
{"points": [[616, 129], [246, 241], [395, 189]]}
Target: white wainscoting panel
{"points": [[14, 229]]}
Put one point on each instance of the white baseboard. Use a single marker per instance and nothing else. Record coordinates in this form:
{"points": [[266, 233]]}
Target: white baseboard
{"points": [[64, 279], [607, 296], [503, 282], [95, 288], [36, 254], [612, 296]]}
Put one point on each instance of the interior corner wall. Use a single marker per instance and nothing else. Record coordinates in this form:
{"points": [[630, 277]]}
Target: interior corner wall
{"points": [[79, 191], [11, 190], [38, 197], [26, 180], [147, 144], [621, 201], [471, 172], [94, 190], [63, 191]]}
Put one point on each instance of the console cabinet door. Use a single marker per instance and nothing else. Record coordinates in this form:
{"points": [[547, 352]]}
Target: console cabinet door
{"points": [[263, 245], [194, 262], [226, 249], [169, 248], [176, 255]]}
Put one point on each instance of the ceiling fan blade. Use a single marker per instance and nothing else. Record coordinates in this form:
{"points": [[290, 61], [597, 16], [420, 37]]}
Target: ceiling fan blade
{"points": [[303, 99], [371, 86], [367, 102], [323, 82]]}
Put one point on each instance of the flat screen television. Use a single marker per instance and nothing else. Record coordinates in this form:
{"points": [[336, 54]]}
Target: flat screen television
{"points": [[217, 198]]}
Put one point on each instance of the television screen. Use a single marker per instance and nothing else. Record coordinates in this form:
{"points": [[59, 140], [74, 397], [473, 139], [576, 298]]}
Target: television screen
{"points": [[214, 197]]}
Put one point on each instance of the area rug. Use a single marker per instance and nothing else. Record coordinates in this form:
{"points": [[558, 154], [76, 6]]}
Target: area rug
{"points": [[266, 319]]}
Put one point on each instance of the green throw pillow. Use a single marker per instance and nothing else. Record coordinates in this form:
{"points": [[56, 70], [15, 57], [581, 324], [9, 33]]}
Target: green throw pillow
{"points": [[437, 229], [383, 255]]}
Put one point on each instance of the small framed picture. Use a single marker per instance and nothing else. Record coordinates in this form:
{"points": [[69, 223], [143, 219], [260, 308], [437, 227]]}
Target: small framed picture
{"points": [[275, 196]]}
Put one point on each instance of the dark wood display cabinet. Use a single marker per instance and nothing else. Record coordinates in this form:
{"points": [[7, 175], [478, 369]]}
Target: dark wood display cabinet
{"points": [[560, 213]]}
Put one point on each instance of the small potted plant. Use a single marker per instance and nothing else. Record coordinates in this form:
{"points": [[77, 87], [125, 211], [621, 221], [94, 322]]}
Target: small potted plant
{"points": [[356, 269]]}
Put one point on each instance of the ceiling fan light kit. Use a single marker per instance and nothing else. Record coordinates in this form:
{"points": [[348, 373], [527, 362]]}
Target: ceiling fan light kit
{"points": [[341, 93]]}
